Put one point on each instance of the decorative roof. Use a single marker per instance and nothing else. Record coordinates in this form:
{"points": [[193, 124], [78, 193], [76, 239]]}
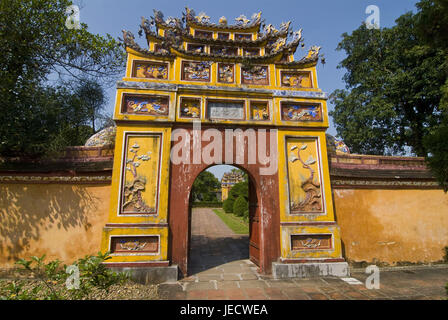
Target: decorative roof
{"points": [[231, 178], [202, 20], [277, 43]]}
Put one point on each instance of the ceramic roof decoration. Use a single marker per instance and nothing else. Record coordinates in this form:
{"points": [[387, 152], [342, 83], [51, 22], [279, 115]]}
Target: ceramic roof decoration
{"points": [[102, 138], [276, 45]]}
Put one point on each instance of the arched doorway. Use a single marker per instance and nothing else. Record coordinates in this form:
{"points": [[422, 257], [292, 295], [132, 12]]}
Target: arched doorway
{"points": [[263, 197], [222, 238]]}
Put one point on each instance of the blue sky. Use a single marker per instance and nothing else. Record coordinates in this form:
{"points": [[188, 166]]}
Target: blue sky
{"points": [[323, 22]]}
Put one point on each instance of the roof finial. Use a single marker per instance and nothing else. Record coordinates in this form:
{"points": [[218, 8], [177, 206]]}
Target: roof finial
{"points": [[242, 20], [202, 18], [223, 20]]}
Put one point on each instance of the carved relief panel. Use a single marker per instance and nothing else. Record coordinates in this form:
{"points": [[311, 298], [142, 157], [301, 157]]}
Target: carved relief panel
{"points": [[259, 110], [150, 70], [226, 73], [311, 242], [296, 79], [190, 108], [140, 174], [299, 111], [304, 176], [145, 104], [196, 71], [140, 244], [255, 75]]}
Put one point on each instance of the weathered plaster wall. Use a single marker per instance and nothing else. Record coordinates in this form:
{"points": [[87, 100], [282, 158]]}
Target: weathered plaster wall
{"points": [[63, 221], [387, 225]]}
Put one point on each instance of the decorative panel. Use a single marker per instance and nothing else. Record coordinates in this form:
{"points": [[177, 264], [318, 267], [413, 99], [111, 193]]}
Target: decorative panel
{"points": [[251, 52], [140, 180], [299, 79], [225, 109], [298, 111], [255, 75], [150, 70], [304, 177], [145, 104], [223, 51], [243, 36], [196, 71], [226, 73], [259, 110], [203, 34], [311, 242], [140, 244], [223, 36], [197, 48], [190, 108]]}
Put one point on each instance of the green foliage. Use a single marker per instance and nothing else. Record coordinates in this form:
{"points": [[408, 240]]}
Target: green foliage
{"points": [[236, 224], [445, 257], [38, 117], [205, 187], [207, 204], [246, 215], [240, 206], [393, 89], [437, 145], [228, 205], [239, 189], [51, 279]]}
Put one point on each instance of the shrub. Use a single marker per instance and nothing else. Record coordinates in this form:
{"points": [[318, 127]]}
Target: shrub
{"points": [[207, 204], [228, 205], [240, 206], [239, 189], [246, 215], [52, 280]]}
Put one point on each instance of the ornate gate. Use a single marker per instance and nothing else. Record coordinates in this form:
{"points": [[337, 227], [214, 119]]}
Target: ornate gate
{"points": [[209, 93]]}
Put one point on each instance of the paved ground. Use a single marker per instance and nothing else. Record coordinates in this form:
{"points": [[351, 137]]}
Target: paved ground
{"points": [[220, 269]]}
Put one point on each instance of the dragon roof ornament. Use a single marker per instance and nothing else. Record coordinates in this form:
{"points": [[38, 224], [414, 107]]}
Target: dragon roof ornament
{"points": [[277, 42]]}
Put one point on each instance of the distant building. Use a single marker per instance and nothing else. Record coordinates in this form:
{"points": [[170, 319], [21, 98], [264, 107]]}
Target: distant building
{"points": [[229, 179]]}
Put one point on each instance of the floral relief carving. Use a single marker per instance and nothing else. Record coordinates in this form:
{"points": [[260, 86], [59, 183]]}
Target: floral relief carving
{"points": [[312, 201]]}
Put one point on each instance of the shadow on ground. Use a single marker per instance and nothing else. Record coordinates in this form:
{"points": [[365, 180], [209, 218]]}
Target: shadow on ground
{"points": [[206, 253]]}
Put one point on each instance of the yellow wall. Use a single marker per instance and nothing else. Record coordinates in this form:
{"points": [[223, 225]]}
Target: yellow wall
{"points": [[392, 225], [63, 221]]}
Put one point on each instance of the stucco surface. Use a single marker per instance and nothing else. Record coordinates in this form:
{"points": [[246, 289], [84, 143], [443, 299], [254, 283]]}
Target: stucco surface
{"points": [[63, 221], [401, 225]]}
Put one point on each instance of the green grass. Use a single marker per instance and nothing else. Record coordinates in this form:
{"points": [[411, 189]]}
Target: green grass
{"points": [[237, 224]]}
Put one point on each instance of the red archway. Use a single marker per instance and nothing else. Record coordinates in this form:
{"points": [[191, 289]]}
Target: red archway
{"points": [[263, 207]]}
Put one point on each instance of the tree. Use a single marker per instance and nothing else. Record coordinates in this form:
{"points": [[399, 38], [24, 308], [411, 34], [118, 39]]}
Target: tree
{"points": [[92, 98], [36, 46], [393, 89], [240, 206], [204, 187], [228, 205], [239, 189], [432, 25]]}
